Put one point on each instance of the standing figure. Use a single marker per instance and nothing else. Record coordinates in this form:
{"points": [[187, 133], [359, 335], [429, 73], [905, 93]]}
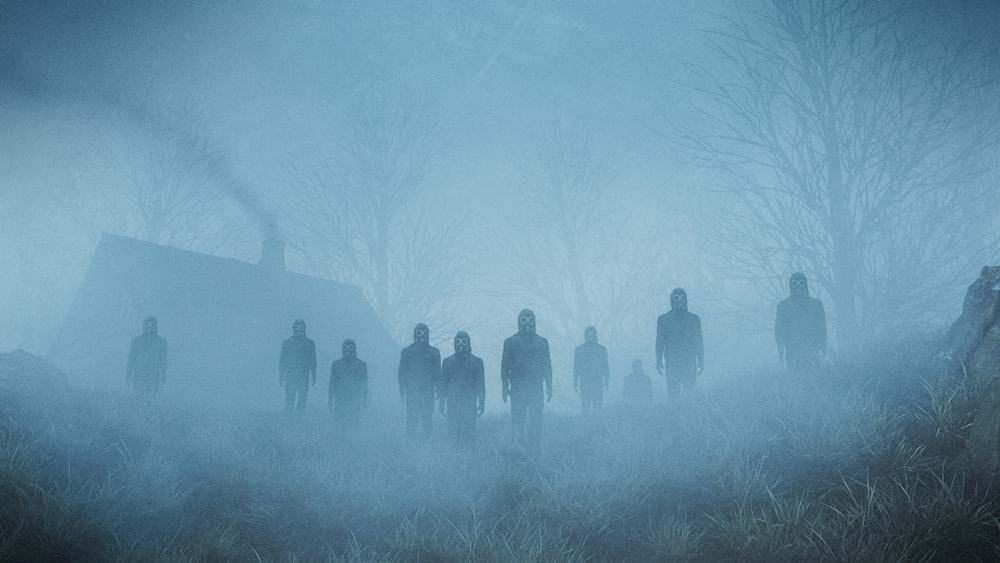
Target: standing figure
{"points": [[463, 391], [146, 369], [296, 366], [590, 371], [419, 375], [800, 328], [524, 367], [680, 349], [348, 386], [638, 387]]}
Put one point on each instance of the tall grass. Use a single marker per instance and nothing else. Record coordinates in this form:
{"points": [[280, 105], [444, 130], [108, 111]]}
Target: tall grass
{"points": [[855, 465]]}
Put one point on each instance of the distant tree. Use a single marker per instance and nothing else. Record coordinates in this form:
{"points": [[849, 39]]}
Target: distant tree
{"points": [[848, 136], [162, 179], [361, 215], [577, 256]]}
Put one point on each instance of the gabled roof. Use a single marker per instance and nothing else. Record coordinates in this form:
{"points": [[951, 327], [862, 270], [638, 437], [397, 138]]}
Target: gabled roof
{"points": [[224, 319]]}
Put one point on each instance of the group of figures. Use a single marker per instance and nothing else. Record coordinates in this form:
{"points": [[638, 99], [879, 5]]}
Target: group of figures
{"points": [[458, 383]]}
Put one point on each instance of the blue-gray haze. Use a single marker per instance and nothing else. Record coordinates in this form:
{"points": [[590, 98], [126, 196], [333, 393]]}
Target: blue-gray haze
{"points": [[548, 154]]}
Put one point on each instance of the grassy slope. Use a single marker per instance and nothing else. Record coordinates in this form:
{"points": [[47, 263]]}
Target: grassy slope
{"points": [[858, 467]]}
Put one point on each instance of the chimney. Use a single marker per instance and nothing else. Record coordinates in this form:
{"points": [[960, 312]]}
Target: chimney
{"points": [[272, 255]]}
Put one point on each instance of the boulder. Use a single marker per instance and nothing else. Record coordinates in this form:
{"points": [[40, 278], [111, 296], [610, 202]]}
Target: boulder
{"points": [[21, 369], [973, 345]]}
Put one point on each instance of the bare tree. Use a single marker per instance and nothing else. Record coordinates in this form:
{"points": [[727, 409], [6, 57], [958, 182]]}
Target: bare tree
{"points": [[843, 139], [578, 257], [162, 179], [360, 217]]}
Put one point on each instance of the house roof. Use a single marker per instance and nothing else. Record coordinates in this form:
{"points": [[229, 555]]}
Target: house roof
{"points": [[224, 319]]}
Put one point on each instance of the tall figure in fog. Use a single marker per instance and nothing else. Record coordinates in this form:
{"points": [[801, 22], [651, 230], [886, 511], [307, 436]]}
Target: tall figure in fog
{"points": [[525, 367], [348, 393], [800, 328], [463, 391], [146, 369], [296, 367], [680, 349], [590, 371], [637, 387], [419, 375]]}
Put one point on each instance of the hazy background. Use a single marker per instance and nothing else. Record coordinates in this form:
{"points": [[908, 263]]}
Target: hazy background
{"points": [[571, 157]]}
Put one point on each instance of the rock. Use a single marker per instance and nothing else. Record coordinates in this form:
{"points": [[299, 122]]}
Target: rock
{"points": [[973, 344], [22, 369]]}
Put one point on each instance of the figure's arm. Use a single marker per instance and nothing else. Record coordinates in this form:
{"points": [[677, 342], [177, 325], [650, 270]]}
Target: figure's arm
{"points": [[442, 386], [364, 384], [312, 361], [480, 388], [401, 375], [660, 336], [547, 370], [436, 374], [505, 362], [700, 343]]}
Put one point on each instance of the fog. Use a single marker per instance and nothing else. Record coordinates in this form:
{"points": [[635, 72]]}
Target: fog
{"points": [[452, 163], [550, 156]]}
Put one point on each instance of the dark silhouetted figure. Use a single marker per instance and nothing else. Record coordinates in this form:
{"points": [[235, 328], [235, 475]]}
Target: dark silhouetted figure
{"points": [[146, 369], [590, 371], [800, 328], [463, 391], [524, 368], [680, 349], [637, 387], [419, 375], [296, 367], [348, 386]]}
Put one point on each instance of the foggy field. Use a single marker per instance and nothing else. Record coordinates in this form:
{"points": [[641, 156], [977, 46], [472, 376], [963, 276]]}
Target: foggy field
{"points": [[858, 466], [778, 203]]}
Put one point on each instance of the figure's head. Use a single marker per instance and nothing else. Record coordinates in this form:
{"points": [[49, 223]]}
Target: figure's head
{"points": [[149, 325], [463, 344], [526, 321], [679, 299], [299, 327], [798, 285], [636, 366], [349, 349], [421, 334], [590, 335]]}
